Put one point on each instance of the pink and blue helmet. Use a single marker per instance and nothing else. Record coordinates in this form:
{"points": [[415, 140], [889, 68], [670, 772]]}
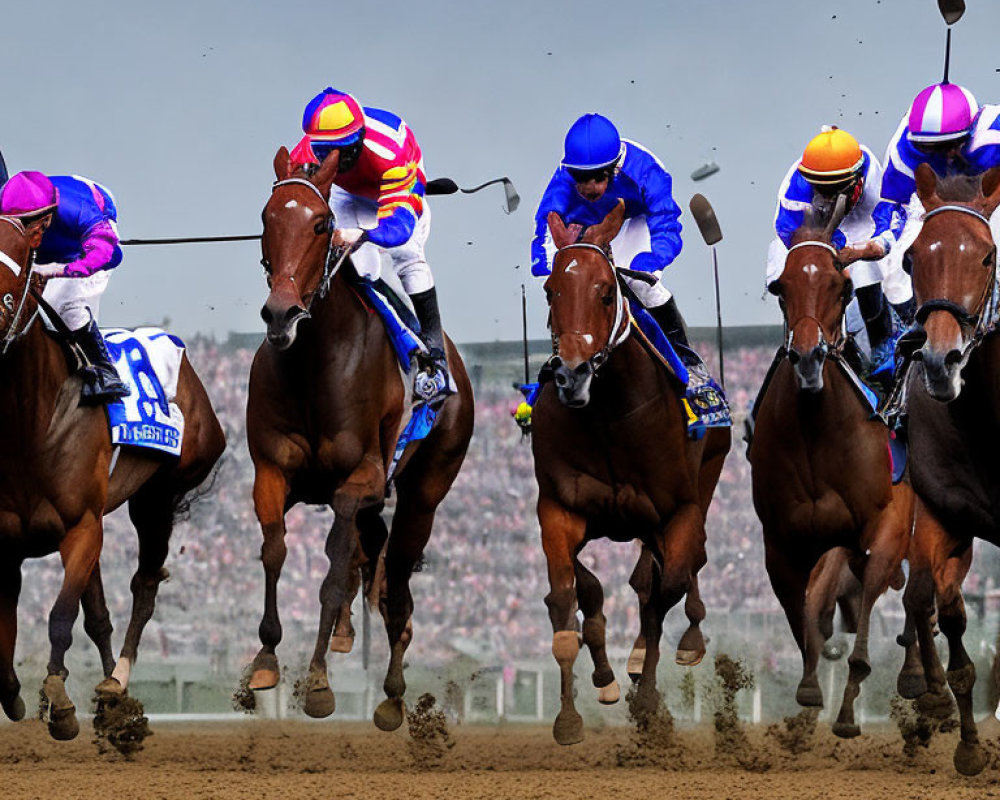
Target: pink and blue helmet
{"points": [[334, 117], [27, 194], [942, 112], [591, 143]]}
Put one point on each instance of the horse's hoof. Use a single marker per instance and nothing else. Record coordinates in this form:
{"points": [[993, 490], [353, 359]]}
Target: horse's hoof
{"points": [[809, 696], [389, 714], [341, 644], [635, 661], [63, 725], [266, 672], [689, 658], [911, 685], [568, 728], [846, 730], [970, 759], [110, 689], [938, 705], [320, 703], [610, 694], [14, 709]]}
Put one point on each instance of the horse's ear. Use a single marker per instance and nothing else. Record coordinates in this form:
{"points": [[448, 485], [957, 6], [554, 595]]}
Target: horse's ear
{"points": [[561, 237], [327, 172], [282, 163], [991, 190], [927, 187], [608, 228]]}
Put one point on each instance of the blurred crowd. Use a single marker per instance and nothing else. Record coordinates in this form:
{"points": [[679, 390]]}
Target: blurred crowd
{"points": [[481, 588]]}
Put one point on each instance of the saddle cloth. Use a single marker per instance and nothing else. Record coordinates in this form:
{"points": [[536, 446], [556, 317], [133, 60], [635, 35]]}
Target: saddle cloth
{"points": [[148, 361]]}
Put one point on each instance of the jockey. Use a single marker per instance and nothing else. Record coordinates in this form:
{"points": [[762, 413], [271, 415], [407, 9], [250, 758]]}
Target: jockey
{"points": [[834, 164], [946, 128], [378, 204], [71, 224], [598, 169]]}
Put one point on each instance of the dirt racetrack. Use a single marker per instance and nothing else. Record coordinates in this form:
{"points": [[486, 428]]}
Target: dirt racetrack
{"points": [[253, 759]]}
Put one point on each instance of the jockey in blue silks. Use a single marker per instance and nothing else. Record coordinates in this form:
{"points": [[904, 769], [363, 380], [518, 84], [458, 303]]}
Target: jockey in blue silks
{"points": [[598, 169], [71, 224]]}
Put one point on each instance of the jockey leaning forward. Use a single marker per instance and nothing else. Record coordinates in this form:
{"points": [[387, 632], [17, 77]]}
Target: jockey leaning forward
{"points": [[598, 169], [947, 129], [71, 225], [835, 164], [378, 203]]}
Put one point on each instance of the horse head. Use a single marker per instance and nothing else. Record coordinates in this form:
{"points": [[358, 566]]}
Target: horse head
{"points": [[296, 244], [953, 264], [15, 259], [814, 291], [587, 313]]}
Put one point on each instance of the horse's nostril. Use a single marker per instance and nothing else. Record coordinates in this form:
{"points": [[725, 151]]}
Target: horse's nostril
{"points": [[918, 355], [293, 312], [266, 315], [953, 357], [793, 356]]}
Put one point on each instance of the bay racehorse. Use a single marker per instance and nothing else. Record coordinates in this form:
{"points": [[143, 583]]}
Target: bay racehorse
{"points": [[55, 489], [325, 407], [612, 459], [820, 467], [953, 401]]}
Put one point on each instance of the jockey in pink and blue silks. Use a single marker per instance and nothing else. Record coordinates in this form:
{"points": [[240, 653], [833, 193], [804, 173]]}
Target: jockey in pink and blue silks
{"points": [[71, 226], [946, 128]]}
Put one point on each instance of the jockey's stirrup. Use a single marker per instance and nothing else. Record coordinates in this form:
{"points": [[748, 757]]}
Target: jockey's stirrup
{"points": [[100, 379], [432, 383]]}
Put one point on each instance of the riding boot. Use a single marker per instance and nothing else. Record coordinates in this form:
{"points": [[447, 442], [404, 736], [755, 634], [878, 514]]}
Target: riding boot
{"points": [[100, 379], [877, 315], [906, 311], [669, 318], [431, 383]]}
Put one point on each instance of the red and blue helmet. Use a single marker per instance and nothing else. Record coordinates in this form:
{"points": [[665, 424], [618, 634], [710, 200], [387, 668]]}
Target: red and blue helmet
{"points": [[27, 194], [940, 113], [335, 117], [591, 143]]}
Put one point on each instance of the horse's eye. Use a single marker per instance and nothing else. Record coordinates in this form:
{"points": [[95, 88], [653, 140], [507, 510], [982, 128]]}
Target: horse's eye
{"points": [[266, 265], [321, 227], [548, 295], [991, 259], [608, 299]]}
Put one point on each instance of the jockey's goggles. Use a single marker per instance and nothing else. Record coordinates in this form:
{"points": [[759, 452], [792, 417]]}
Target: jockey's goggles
{"points": [[349, 150], [586, 175]]}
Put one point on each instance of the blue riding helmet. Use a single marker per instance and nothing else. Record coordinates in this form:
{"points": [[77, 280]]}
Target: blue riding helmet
{"points": [[591, 143]]}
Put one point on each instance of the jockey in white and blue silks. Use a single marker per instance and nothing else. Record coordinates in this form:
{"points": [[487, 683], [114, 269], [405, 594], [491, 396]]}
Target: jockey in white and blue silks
{"points": [[598, 169], [71, 224], [947, 129], [834, 164]]}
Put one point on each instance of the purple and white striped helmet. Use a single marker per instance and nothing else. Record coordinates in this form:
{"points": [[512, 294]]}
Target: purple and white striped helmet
{"points": [[942, 112]]}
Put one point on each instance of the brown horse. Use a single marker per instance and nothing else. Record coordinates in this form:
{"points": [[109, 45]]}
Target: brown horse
{"points": [[613, 459], [326, 403], [820, 468], [54, 490], [954, 426]]}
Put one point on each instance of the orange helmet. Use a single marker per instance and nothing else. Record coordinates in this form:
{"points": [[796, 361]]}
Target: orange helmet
{"points": [[834, 156]]}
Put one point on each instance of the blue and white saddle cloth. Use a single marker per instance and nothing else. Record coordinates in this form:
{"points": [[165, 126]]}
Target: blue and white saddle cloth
{"points": [[148, 361]]}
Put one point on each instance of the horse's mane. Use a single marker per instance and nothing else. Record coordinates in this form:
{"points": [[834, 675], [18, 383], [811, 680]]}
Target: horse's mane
{"points": [[960, 188]]}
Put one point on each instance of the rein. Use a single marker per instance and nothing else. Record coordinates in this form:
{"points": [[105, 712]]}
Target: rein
{"points": [[986, 308], [335, 257], [620, 328]]}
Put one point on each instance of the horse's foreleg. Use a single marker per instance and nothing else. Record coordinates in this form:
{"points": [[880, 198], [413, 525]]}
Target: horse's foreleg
{"points": [[10, 687], [885, 542], [641, 581], [80, 550], [563, 533], [97, 620], [151, 512], [691, 648], [789, 578], [590, 594], [820, 606], [270, 492]]}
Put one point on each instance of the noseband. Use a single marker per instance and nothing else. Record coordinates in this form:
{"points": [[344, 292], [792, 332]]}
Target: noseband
{"points": [[620, 328], [981, 319], [335, 257]]}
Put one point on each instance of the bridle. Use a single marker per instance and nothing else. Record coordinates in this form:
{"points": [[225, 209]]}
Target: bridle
{"points": [[12, 333], [335, 256], [827, 347], [620, 328], [982, 318]]}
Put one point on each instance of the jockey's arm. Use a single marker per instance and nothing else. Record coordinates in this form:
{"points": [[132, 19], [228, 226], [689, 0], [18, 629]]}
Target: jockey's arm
{"points": [[400, 204], [556, 198], [663, 221], [100, 250]]}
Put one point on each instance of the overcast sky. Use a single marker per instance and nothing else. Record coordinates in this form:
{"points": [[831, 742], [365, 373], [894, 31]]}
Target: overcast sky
{"points": [[179, 107]]}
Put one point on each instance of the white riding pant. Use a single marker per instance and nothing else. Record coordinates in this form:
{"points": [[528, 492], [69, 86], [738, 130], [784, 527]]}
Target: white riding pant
{"points": [[632, 239], [77, 300], [408, 260]]}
